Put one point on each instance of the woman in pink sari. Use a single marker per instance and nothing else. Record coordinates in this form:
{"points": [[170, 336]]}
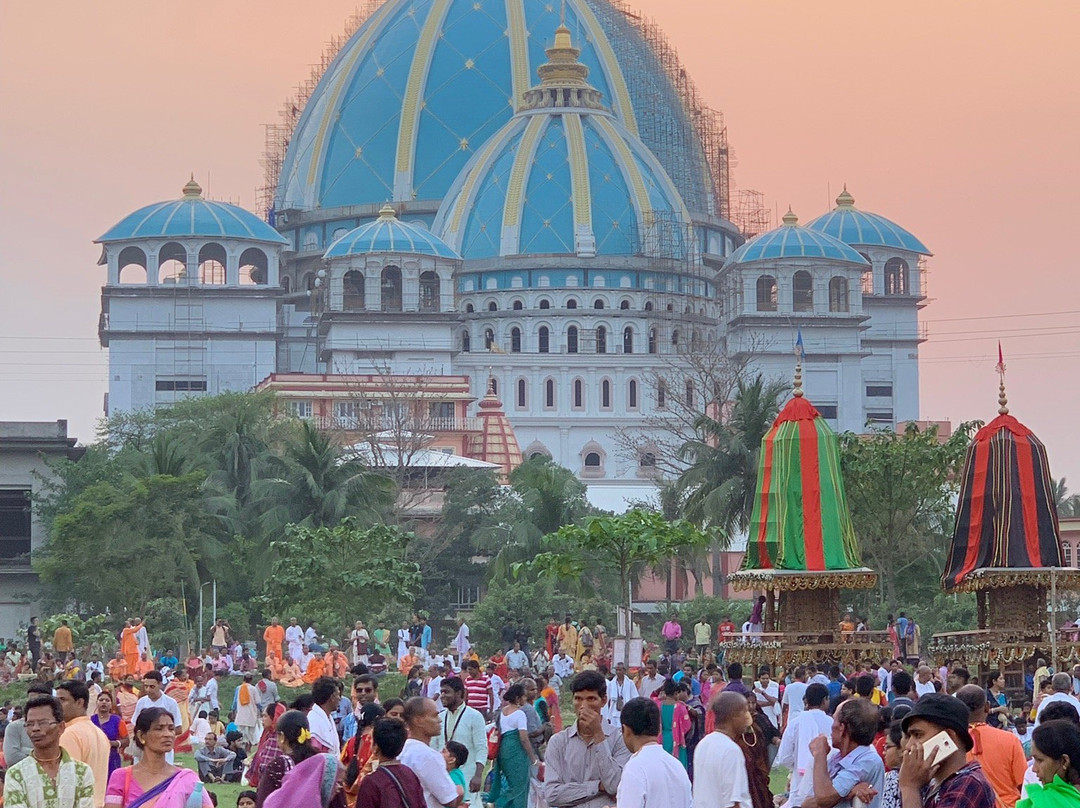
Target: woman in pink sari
{"points": [[153, 782], [315, 780]]}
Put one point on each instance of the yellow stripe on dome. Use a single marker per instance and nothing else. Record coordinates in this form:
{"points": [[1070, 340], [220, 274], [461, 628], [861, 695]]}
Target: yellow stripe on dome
{"points": [[630, 168], [410, 106], [464, 196], [621, 94], [523, 160], [579, 170], [519, 50], [342, 80]]}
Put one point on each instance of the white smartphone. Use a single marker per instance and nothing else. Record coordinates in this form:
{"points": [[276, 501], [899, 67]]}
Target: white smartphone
{"points": [[938, 748]]}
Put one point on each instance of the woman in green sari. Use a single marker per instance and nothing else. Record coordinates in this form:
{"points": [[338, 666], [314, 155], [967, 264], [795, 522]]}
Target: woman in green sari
{"points": [[381, 638], [510, 778], [1055, 747]]}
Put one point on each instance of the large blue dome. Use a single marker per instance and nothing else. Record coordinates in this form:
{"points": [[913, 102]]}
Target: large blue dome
{"points": [[862, 229], [792, 241], [563, 177], [191, 216], [388, 234], [423, 84]]}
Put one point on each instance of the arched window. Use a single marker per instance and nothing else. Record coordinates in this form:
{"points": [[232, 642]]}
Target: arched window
{"points": [[675, 337], [579, 394], [286, 284], [598, 303], [601, 340], [521, 389], [549, 394], [605, 394], [628, 340], [545, 303], [766, 293], [493, 306], [429, 291], [868, 281], [254, 267], [543, 343], [896, 277], [648, 305], [172, 264], [571, 303], [647, 460], [469, 308], [661, 395], [838, 294], [489, 338], [352, 291], [391, 289], [624, 305], [571, 339], [212, 265], [515, 340], [592, 460], [466, 342], [695, 339], [631, 394], [802, 288], [132, 264], [690, 393], [652, 340], [517, 305]]}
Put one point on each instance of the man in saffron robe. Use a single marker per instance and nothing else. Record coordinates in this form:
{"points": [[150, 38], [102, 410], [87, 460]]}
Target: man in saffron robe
{"points": [[117, 667], [129, 644], [315, 668], [274, 637], [335, 662]]}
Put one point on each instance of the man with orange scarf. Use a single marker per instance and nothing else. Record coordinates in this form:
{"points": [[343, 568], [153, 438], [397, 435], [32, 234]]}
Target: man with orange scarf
{"points": [[247, 709], [129, 644]]}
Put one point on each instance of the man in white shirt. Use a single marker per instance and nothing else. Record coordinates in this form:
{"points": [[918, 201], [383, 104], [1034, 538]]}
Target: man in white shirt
{"points": [[792, 702], [212, 690], [498, 686], [311, 637], [652, 777], [768, 696], [817, 677], [720, 779], [924, 681], [563, 665], [794, 753], [422, 719], [154, 697], [517, 660], [294, 636], [463, 724], [462, 643], [358, 640], [327, 697], [434, 687], [620, 689], [1061, 684], [651, 681]]}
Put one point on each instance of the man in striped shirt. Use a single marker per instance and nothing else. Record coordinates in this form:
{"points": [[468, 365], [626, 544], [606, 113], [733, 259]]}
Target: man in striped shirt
{"points": [[478, 689]]}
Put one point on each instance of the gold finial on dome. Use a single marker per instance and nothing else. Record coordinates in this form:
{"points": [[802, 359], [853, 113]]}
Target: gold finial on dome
{"points": [[845, 200], [563, 79], [790, 218], [387, 212], [1003, 400], [192, 189], [800, 352]]}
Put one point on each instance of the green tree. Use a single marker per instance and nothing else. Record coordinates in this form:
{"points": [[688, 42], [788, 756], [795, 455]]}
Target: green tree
{"points": [[622, 545], [1068, 505], [333, 574], [119, 546], [900, 490]]}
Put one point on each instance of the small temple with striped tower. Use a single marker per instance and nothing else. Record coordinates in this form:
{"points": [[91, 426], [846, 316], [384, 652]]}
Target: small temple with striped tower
{"points": [[801, 549], [1006, 548]]}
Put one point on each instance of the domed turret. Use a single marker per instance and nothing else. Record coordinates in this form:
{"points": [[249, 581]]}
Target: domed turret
{"points": [[792, 241], [859, 228], [563, 177], [389, 234]]}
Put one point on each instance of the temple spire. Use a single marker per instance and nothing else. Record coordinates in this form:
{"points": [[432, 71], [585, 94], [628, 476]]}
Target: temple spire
{"points": [[1003, 400]]}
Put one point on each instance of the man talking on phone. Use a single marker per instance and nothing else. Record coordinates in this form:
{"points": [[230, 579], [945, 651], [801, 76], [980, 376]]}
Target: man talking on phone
{"points": [[854, 771], [934, 772]]}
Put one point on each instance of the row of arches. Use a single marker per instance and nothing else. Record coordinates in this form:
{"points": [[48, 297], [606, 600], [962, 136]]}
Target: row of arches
{"points": [[575, 340], [802, 293], [580, 394], [212, 263], [571, 303]]}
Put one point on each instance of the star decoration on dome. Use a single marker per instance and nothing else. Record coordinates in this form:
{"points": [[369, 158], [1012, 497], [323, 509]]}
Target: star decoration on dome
{"points": [[469, 64], [463, 144]]}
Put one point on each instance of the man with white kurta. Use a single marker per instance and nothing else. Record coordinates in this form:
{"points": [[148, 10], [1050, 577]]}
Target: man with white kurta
{"points": [[294, 636], [463, 724], [246, 706], [794, 753], [461, 643], [620, 689]]}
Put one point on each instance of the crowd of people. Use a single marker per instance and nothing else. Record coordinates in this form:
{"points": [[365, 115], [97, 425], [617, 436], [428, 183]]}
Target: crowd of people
{"points": [[678, 728]]}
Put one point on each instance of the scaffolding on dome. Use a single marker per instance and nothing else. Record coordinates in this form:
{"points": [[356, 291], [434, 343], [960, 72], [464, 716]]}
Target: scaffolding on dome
{"points": [[708, 123], [278, 135], [750, 213]]}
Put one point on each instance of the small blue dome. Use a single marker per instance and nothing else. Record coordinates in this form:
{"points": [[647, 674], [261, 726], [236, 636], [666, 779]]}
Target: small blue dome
{"points": [[389, 234], [192, 216], [791, 241], [859, 228]]}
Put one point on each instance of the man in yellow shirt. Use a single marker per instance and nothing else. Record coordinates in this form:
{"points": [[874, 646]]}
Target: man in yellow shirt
{"points": [[702, 635], [62, 641], [81, 738]]}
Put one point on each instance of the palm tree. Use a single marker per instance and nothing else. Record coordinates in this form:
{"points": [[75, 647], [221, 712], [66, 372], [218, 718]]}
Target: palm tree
{"points": [[1068, 505], [720, 482], [324, 487]]}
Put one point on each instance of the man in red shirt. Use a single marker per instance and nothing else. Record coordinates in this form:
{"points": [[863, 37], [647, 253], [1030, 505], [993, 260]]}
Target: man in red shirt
{"points": [[477, 689], [725, 629]]}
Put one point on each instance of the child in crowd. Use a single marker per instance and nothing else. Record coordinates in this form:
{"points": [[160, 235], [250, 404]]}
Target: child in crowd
{"points": [[456, 755], [246, 799]]}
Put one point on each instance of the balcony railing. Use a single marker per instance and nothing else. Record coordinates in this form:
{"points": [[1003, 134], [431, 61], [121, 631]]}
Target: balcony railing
{"points": [[392, 424]]}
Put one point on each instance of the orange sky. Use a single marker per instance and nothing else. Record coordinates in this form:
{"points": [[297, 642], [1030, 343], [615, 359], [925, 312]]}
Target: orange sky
{"points": [[959, 120]]}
